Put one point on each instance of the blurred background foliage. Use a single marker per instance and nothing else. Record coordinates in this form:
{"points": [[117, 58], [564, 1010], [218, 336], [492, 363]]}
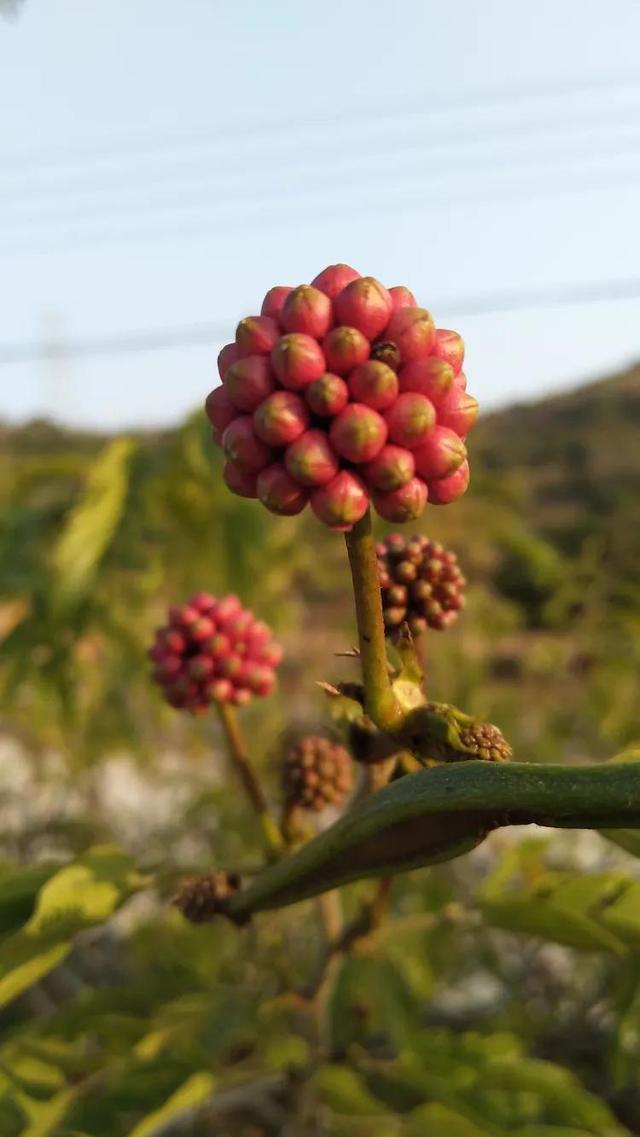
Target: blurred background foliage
{"points": [[502, 997]]}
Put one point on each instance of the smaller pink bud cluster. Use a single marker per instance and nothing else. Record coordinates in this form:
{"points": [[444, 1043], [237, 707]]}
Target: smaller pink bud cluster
{"points": [[421, 584], [213, 651], [340, 393]]}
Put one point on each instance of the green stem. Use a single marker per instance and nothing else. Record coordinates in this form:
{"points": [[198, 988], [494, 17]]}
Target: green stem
{"points": [[271, 835], [380, 701]]}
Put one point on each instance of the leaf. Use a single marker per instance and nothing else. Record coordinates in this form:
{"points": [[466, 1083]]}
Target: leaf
{"points": [[91, 524], [78, 896], [18, 891], [44, 1117], [436, 1120], [438, 814], [344, 1091], [191, 1094], [550, 1131], [589, 912]]}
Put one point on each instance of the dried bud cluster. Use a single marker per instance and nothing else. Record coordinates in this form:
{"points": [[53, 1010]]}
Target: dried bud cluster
{"points": [[214, 651], [316, 772], [202, 897], [342, 392], [486, 741], [421, 583]]}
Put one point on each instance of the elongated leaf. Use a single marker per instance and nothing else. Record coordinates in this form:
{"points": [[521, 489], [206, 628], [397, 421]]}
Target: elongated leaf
{"points": [[91, 524], [344, 1091], [188, 1097], [78, 896], [436, 1120], [437, 814], [18, 892]]}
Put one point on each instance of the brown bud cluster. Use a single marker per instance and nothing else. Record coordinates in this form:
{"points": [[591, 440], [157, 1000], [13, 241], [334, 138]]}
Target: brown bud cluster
{"points": [[421, 584], [316, 772], [202, 897], [487, 742]]}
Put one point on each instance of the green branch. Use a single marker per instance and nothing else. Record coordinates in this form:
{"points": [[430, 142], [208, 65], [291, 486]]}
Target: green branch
{"points": [[380, 701]]}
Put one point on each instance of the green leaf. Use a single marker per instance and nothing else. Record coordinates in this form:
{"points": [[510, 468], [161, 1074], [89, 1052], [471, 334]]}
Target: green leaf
{"points": [[438, 814], [18, 892], [78, 896], [551, 1131], [344, 1091], [600, 911], [44, 1117], [192, 1094], [436, 1120], [91, 524]]}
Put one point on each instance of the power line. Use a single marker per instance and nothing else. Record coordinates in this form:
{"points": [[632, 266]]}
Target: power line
{"points": [[214, 333], [256, 209], [499, 96], [321, 168]]}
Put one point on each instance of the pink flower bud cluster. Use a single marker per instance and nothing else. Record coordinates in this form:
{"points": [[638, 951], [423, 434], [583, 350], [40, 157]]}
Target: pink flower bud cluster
{"points": [[214, 651], [341, 393]]}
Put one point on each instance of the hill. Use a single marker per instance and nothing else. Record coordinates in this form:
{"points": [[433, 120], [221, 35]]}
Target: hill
{"points": [[97, 536]]}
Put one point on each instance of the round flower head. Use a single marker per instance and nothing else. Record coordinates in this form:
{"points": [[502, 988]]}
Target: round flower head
{"points": [[213, 651], [316, 772], [343, 394], [421, 584]]}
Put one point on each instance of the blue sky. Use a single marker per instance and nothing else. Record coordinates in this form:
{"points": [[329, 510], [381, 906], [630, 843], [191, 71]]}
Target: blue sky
{"points": [[162, 164]]}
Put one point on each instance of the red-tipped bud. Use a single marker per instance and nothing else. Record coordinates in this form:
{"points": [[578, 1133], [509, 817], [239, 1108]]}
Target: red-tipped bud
{"points": [[273, 302], [281, 418], [404, 504], [219, 408], [230, 666], [440, 454], [201, 666], [333, 279], [413, 330], [310, 460], [220, 690], [342, 502], [249, 381], [169, 666], [201, 629], [241, 696], [392, 468], [218, 645], [307, 310], [358, 433], [431, 377], [410, 419], [444, 490], [243, 447], [375, 384], [272, 655], [226, 357], [174, 641], [228, 609], [401, 297], [297, 360], [183, 615], [450, 347], [364, 304], [278, 491], [256, 335], [204, 602], [459, 411], [328, 395], [344, 349], [259, 678], [239, 481]]}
